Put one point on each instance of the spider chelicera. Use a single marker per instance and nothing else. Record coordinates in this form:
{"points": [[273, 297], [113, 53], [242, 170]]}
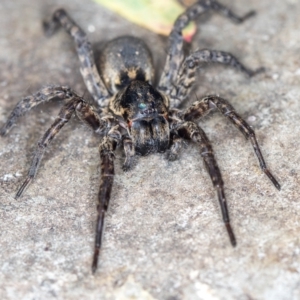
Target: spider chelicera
{"points": [[129, 111]]}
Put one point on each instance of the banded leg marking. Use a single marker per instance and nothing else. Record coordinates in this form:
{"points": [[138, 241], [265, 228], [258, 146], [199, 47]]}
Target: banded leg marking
{"points": [[202, 107], [88, 68], [175, 54], [84, 111], [27, 103], [193, 62]]}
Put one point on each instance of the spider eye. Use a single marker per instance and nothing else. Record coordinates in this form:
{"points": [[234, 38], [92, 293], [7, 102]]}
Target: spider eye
{"points": [[142, 105]]}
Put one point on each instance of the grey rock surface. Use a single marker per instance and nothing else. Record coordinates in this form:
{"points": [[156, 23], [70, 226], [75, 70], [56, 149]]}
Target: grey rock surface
{"points": [[164, 236]]}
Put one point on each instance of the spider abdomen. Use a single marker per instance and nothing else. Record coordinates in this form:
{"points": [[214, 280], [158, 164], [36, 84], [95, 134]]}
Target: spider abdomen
{"points": [[123, 60]]}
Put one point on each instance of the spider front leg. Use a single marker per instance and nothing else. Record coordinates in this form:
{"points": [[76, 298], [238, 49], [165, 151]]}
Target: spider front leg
{"points": [[187, 73], [175, 54], [88, 68], [202, 107], [190, 131]]}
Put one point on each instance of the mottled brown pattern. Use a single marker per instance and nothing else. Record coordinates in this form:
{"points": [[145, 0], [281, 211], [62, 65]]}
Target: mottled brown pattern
{"points": [[130, 112], [77, 105]]}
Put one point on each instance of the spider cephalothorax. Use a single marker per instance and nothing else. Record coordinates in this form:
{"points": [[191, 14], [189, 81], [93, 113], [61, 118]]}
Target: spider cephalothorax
{"points": [[146, 111], [130, 112]]}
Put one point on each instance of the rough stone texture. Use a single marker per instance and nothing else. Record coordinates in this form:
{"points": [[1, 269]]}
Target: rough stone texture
{"points": [[164, 236]]}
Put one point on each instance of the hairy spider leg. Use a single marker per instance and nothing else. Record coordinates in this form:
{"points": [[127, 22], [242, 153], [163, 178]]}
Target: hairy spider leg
{"points": [[63, 117], [105, 125], [175, 148], [181, 125], [187, 73], [45, 94], [203, 106], [190, 131], [84, 111], [175, 54], [107, 148], [88, 67], [129, 150]]}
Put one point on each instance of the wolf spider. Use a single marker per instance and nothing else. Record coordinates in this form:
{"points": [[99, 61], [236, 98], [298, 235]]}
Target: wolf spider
{"points": [[130, 112]]}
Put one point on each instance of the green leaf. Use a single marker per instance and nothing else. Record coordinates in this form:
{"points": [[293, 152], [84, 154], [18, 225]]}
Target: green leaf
{"points": [[155, 15]]}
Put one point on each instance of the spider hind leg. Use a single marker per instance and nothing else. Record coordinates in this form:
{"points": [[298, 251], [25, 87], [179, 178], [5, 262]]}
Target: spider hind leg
{"points": [[190, 131], [203, 106]]}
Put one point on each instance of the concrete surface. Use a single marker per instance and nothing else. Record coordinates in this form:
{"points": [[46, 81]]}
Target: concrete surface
{"points": [[164, 237]]}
